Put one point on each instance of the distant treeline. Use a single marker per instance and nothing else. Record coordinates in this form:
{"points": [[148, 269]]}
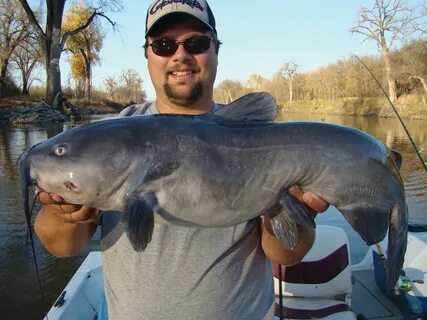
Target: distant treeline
{"points": [[346, 78], [28, 45]]}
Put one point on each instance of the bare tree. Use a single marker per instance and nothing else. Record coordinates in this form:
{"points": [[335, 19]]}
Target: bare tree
{"points": [[420, 27], [111, 86], [228, 91], [26, 58], [255, 82], [384, 23], [52, 41], [287, 71], [274, 86], [412, 60], [131, 86], [13, 30]]}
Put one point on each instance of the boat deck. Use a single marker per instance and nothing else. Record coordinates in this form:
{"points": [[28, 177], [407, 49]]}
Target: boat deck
{"points": [[369, 301]]}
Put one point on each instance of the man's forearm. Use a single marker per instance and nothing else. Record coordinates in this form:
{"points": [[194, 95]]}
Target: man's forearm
{"points": [[60, 238]]}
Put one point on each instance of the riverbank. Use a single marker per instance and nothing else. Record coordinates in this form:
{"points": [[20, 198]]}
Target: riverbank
{"points": [[22, 111], [26, 111], [410, 107]]}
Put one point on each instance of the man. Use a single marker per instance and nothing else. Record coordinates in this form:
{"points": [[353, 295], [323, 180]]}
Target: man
{"points": [[185, 273]]}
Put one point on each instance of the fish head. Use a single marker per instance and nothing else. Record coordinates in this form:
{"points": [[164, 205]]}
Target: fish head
{"points": [[82, 165]]}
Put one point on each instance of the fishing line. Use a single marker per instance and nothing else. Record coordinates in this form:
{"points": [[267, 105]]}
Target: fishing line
{"points": [[280, 292], [423, 163], [31, 212], [33, 248], [397, 114]]}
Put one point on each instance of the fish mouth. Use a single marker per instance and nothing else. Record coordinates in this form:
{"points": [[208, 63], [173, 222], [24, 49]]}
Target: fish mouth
{"points": [[24, 166], [27, 179], [30, 178]]}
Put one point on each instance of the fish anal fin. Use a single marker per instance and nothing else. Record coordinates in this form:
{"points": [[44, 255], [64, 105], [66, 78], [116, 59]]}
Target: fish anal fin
{"points": [[138, 221], [371, 223]]}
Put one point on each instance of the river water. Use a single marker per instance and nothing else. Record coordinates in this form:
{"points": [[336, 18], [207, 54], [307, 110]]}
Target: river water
{"points": [[19, 292]]}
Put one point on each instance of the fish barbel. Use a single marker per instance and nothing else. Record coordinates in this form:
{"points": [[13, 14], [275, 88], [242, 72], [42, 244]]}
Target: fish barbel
{"points": [[222, 169]]}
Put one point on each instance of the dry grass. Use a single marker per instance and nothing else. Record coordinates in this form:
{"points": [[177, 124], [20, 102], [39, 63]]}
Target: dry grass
{"points": [[409, 106]]}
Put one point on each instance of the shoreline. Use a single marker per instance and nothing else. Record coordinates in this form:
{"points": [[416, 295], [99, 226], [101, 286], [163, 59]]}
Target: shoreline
{"points": [[40, 113], [407, 107]]}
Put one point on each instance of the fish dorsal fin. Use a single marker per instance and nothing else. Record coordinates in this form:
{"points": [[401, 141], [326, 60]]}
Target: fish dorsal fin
{"points": [[253, 108], [397, 158]]}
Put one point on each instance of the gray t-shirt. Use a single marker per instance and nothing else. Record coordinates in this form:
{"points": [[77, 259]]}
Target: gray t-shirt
{"points": [[186, 273]]}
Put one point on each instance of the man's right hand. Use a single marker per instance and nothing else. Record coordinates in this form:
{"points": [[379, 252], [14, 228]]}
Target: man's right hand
{"points": [[64, 229], [70, 213]]}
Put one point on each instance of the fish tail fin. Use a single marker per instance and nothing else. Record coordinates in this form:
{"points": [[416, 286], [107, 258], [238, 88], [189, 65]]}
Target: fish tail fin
{"points": [[284, 217], [138, 222], [397, 241]]}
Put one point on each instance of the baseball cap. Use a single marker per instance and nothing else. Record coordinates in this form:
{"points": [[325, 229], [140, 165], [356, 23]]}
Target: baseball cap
{"points": [[198, 9]]}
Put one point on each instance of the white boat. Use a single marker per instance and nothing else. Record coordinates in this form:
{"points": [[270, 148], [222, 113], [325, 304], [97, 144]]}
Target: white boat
{"points": [[324, 285]]}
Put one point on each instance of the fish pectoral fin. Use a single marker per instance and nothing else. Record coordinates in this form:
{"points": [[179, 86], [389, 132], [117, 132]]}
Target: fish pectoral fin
{"points": [[302, 214], [285, 229], [285, 216], [138, 221]]}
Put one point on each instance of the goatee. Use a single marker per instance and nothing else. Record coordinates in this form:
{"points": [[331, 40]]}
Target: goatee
{"points": [[184, 99]]}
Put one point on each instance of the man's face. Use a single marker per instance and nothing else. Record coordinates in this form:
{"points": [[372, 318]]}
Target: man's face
{"points": [[183, 79]]}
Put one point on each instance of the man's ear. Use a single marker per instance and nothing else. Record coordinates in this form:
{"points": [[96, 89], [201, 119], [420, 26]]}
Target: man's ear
{"points": [[145, 46]]}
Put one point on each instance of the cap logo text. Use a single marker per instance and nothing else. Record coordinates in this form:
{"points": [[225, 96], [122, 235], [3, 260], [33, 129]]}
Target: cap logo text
{"points": [[163, 3]]}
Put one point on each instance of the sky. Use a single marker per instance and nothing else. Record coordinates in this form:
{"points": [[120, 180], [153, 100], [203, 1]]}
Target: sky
{"points": [[258, 37]]}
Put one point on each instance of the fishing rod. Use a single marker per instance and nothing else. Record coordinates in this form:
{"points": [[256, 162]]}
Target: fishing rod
{"points": [[423, 163], [403, 283]]}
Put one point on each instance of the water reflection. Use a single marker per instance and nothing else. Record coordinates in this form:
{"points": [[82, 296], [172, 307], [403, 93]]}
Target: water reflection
{"points": [[391, 132], [18, 284]]}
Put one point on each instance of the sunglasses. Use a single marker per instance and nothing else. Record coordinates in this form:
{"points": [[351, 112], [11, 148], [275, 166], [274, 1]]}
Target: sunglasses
{"points": [[167, 47]]}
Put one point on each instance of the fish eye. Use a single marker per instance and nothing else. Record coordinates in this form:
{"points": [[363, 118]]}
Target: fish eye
{"points": [[61, 149]]}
